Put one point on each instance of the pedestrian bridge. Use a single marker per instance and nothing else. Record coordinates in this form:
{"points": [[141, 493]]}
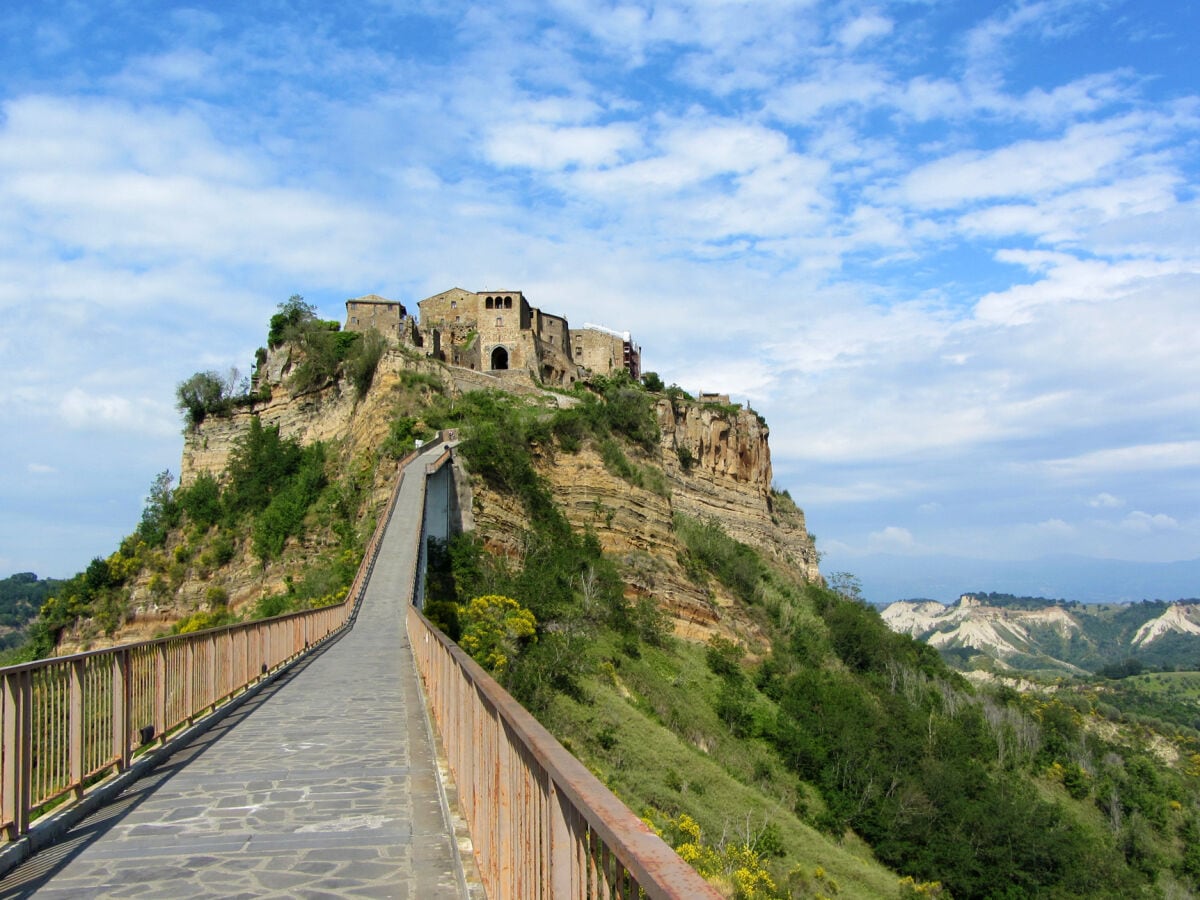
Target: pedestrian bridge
{"points": [[351, 751]]}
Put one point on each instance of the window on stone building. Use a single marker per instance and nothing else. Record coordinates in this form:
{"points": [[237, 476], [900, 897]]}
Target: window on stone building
{"points": [[499, 320], [508, 302], [454, 304]]}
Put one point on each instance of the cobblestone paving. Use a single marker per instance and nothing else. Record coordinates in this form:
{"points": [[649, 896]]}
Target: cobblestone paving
{"points": [[324, 784]]}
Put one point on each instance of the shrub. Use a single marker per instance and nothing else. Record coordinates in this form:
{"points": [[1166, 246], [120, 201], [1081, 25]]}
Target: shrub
{"points": [[201, 501], [493, 629], [364, 360], [653, 383]]}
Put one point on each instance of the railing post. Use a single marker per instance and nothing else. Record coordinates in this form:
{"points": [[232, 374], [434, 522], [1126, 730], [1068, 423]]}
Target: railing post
{"points": [[561, 844], [18, 764], [189, 679], [120, 709], [160, 692], [75, 727]]}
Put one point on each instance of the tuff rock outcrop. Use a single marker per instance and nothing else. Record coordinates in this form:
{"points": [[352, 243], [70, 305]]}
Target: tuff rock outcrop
{"points": [[727, 477]]}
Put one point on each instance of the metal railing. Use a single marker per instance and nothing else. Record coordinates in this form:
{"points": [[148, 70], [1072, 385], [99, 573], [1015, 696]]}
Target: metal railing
{"points": [[68, 722], [542, 825]]}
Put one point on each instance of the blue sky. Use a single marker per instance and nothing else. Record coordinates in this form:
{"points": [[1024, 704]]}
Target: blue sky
{"points": [[951, 250]]}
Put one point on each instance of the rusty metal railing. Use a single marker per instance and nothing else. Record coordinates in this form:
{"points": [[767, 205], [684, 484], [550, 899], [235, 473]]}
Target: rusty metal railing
{"points": [[70, 721], [542, 825]]}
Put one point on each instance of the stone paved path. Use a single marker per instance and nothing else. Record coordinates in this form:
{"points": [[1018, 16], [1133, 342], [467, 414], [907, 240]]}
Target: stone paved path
{"points": [[324, 784]]}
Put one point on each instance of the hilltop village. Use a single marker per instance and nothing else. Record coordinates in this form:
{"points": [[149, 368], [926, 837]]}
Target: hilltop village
{"points": [[498, 332]]}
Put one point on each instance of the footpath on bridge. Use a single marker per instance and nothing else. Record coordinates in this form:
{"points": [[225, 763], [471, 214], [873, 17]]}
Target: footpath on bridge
{"points": [[323, 784]]}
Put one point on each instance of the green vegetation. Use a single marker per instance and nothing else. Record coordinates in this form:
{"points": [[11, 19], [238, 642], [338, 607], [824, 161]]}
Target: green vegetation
{"points": [[272, 490], [854, 731], [653, 383], [326, 353], [612, 406], [21, 596]]}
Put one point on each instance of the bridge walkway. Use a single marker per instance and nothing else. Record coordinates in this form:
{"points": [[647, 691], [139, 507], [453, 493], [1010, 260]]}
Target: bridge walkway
{"points": [[323, 784]]}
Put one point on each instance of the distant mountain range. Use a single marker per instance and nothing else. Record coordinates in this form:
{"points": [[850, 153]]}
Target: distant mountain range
{"points": [[888, 578], [1033, 633]]}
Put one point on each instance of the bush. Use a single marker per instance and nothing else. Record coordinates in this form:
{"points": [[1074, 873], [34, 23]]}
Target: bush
{"points": [[364, 360], [201, 502], [653, 383], [494, 628]]}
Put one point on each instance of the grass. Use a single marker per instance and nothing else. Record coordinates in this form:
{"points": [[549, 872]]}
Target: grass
{"points": [[625, 732]]}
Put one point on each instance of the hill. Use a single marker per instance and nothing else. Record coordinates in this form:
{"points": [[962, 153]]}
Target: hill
{"points": [[628, 572], [887, 578], [21, 596], [1034, 634]]}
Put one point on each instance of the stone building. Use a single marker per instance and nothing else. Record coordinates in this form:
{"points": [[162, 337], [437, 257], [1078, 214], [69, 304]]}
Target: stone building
{"points": [[388, 317], [605, 351], [500, 333]]}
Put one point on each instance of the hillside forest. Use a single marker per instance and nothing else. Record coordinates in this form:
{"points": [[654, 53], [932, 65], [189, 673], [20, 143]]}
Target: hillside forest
{"points": [[816, 754]]}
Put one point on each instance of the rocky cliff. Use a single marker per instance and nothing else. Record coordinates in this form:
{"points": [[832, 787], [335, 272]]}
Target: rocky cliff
{"points": [[714, 462], [728, 478]]}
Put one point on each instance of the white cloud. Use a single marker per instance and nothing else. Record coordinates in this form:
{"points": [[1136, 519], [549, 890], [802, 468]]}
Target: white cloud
{"points": [[1105, 500], [1069, 280], [834, 84], [1143, 523], [83, 411], [40, 469], [1029, 168], [1163, 457], [892, 539], [935, 275], [864, 28], [546, 147]]}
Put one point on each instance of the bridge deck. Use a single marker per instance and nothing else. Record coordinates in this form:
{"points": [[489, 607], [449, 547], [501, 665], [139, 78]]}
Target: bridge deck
{"points": [[324, 784]]}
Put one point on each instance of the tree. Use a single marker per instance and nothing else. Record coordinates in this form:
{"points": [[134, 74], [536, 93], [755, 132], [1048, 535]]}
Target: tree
{"points": [[653, 383], [847, 585], [161, 512], [493, 628], [203, 393], [364, 360], [292, 313]]}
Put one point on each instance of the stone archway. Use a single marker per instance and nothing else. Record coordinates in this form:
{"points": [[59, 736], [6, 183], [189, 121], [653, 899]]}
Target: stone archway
{"points": [[499, 358]]}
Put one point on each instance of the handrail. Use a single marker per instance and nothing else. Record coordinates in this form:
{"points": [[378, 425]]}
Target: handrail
{"points": [[542, 825], [70, 721]]}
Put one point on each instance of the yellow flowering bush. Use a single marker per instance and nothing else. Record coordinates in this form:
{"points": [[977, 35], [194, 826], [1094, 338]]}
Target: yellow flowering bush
{"points": [[492, 628], [735, 867]]}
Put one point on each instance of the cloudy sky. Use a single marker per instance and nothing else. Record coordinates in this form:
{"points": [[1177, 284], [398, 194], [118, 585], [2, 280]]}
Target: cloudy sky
{"points": [[951, 250]]}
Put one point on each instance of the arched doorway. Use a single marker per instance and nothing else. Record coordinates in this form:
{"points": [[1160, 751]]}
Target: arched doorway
{"points": [[499, 358]]}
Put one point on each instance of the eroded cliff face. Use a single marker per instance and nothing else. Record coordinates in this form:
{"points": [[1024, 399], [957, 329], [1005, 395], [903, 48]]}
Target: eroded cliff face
{"points": [[331, 414], [729, 479]]}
